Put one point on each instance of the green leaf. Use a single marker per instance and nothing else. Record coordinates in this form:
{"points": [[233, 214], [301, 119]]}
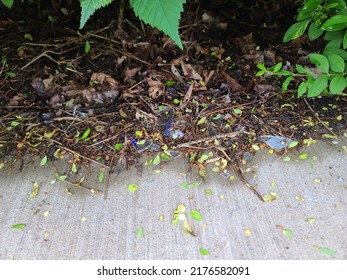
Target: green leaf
{"points": [[335, 23], [337, 84], [163, 14], [2, 165], [8, 3], [344, 41], [156, 160], [43, 161], [86, 134], [101, 177], [195, 215], [87, 47], [204, 252], [296, 30], [118, 146], [262, 67], [320, 61], [277, 67], [293, 144], [74, 167], [301, 69], [203, 158], [89, 7], [336, 62], [327, 251], [302, 89], [62, 178], [18, 226], [139, 232], [35, 191], [132, 187], [314, 32], [286, 83], [311, 5], [288, 232], [318, 86], [303, 156]]}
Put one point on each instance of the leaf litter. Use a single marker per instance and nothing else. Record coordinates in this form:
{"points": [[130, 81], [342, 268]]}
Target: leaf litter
{"points": [[107, 105]]}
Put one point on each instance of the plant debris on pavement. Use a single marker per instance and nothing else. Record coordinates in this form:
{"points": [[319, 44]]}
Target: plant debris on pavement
{"points": [[109, 95]]}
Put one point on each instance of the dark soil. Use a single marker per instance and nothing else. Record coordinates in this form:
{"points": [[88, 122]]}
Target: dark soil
{"points": [[58, 98]]}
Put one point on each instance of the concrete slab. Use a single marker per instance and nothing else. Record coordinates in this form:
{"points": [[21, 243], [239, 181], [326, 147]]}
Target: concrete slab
{"points": [[235, 225]]}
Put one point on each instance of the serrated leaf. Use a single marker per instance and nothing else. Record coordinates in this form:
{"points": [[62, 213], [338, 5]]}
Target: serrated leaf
{"points": [[336, 62], [337, 84], [8, 3], [320, 84], [132, 187], [204, 252], [43, 161], [196, 215], [89, 7], [162, 14], [18, 226], [35, 191], [296, 30], [320, 61]]}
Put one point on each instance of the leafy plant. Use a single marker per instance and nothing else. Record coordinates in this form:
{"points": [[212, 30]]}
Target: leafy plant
{"points": [[327, 19], [163, 14]]}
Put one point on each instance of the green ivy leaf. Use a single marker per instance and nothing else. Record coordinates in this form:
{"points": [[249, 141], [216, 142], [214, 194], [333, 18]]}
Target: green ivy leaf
{"points": [[196, 215], [336, 62], [296, 30], [89, 7], [337, 84], [318, 86], [320, 61], [335, 23], [163, 14]]}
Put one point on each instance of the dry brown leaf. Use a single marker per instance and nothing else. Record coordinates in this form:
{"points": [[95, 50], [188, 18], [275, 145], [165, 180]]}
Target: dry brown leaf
{"points": [[190, 72], [155, 89], [234, 85], [130, 73]]}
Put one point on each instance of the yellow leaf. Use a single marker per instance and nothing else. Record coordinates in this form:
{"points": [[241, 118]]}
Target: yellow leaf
{"points": [[35, 191], [248, 232]]}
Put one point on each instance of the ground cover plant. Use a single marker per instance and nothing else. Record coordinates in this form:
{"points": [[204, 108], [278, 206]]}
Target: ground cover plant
{"points": [[117, 88]]}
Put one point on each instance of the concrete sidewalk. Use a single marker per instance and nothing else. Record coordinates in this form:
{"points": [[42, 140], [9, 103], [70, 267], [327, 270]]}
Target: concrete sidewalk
{"points": [[307, 221]]}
